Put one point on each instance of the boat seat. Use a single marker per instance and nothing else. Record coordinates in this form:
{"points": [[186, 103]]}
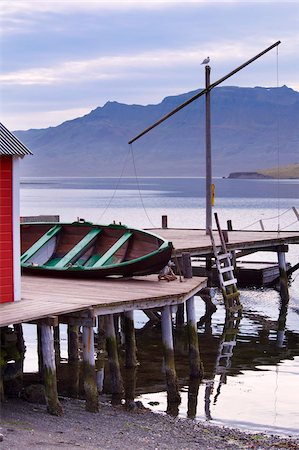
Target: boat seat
{"points": [[40, 243], [106, 258], [76, 251]]}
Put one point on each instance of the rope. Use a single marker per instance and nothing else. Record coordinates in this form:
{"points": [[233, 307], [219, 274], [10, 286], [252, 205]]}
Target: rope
{"points": [[116, 187], [267, 218], [139, 190], [296, 221]]}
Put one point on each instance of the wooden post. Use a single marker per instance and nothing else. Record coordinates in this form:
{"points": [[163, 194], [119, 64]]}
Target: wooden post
{"points": [[193, 397], [57, 345], [90, 386], [164, 222], [101, 353], [173, 394], [283, 279], [50, 380], [233, 252], [39, 352], [196, 369], [73, 360], [208, 152], [116, 378], [130, 387], [180, 314], [284, 296], [130, 341]]}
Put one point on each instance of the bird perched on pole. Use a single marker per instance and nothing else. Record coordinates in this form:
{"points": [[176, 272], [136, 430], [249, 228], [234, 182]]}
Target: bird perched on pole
{"points": [[206, 60]]}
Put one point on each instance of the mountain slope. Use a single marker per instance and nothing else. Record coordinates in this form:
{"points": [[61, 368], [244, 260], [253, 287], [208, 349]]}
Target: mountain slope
{"points": [[249, 125]]}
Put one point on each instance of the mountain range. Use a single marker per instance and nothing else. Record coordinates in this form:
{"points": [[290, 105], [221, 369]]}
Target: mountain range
{"points": [[252, 128]]}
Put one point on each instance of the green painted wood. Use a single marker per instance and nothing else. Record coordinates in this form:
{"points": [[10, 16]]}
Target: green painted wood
{"points": [[78, 249], [39, 243], [112, 250], [92, 260]]}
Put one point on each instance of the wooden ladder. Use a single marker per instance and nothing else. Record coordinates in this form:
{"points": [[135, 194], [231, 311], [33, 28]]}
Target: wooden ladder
{"points": [[225, 269]]}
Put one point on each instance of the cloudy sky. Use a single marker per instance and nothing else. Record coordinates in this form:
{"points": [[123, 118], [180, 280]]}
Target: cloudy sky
{"points": [[61, 59]]}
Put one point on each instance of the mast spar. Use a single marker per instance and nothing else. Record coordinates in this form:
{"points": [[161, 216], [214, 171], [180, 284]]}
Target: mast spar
{"points": [[206, 92]]}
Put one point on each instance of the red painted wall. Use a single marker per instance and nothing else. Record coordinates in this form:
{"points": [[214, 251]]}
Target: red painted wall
{"points": [[6, 232]]}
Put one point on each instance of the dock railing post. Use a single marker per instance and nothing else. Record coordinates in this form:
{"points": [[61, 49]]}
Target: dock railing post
{"points": [[90, 385], [47, 343]]}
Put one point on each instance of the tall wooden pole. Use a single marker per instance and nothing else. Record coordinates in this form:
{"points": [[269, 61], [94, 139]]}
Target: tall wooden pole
{"points": [[208, 153]]}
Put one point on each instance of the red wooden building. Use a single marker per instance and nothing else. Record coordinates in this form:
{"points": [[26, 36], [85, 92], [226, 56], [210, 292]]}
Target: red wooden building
{"points": [[11, 151]]}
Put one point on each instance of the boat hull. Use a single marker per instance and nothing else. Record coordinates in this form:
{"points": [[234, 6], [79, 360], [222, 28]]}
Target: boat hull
{"points": [[84, 250]]}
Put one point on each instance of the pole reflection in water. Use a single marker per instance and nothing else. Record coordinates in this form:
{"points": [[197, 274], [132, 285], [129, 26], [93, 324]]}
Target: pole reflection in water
{"points": [[281, 322], [223, 361]]}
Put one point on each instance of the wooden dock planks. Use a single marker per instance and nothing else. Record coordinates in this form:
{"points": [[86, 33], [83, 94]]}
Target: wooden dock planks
{"points": [[45, 296], [196, 241]]}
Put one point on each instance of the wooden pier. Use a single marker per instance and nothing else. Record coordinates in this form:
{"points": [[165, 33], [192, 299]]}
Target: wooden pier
{"points": [[198, 243], [47, 296], [81, 304]]}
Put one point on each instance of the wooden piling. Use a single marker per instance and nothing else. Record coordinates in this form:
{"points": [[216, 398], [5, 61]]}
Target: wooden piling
{"points": [[130, 341], [130, 387], [39, 352], [57, 345], [180, 314], [173, 394], [196, 368], [73, 360], [115, 374], [50, 379], [101, 353], [283, 278], [193, 397], [90, 386]]}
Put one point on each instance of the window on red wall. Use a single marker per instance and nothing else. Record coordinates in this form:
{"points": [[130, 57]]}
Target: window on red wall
{"points": [[6, 230]]}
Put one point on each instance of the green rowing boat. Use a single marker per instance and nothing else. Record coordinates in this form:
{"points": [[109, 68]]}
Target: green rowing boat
{"points": [[85, 250]]}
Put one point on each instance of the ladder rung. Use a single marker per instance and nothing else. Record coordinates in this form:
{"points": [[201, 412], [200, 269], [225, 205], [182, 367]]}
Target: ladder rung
{"points": [[226, 269], [232, 295], [235, 308], [229, 282], [224, 256]]}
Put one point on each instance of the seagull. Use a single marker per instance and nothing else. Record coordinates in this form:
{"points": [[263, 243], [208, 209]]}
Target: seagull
{"points": [[206, 60]]}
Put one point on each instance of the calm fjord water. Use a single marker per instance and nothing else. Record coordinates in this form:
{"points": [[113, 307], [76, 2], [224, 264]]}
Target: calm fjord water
{"points": [[258, 389]]}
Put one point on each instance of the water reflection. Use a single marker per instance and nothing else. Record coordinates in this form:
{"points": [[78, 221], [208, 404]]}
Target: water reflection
{"points": [[227, 342], [249, 367]]}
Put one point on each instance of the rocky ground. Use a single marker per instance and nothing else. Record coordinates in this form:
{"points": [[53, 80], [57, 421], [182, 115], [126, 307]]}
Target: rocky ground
{"points": [[28, 426]]}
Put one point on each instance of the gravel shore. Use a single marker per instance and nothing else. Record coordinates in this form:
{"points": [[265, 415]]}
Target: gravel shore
{"points": [[29, 426]]}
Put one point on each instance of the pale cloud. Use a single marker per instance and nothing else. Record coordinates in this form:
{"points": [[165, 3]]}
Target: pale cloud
{"points": [[50, 118], [122, 66]]}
